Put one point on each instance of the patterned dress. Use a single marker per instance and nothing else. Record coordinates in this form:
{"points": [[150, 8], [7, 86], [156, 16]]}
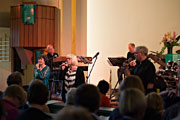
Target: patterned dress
{"points": [[43, 75], [69, 80]]}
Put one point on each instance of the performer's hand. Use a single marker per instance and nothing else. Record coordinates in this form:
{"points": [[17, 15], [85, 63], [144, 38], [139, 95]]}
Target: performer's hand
{"points": [[172, 93], [125, 65], [63, 65], [37, 66], [132, 63]]}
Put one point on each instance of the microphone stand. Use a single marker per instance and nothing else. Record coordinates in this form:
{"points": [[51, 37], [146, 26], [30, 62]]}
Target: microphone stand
{"points": [[51, 70], [120, 73], [53, 78], [88, 76]]}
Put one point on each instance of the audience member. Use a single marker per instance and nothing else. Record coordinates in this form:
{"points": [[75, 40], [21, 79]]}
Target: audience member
{"points": [[14, 97], [88, 96], [73, 113], [37, 97], [103, 88], [131, 81], [2, 110], [171, 112], [14, 78], [132, 104], [42, 71], [71, 74], [70, 96], [155, 107]]}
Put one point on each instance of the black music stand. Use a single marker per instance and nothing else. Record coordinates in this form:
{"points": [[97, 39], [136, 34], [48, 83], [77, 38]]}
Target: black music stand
{"points": [[54, 76], [118, 61]]}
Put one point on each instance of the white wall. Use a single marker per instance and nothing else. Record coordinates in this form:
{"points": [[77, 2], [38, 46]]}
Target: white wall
{"points": [[112, 24]]}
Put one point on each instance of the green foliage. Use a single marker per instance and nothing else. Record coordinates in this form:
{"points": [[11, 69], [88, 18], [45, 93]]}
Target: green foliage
{"points": [[168, 44]]}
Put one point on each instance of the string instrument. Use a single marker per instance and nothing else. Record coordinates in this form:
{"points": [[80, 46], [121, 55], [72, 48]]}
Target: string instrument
{"points": [[158, 59]]}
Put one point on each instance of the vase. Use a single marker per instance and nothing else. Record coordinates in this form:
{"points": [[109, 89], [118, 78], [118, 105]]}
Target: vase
{"points": [[169, 50]]}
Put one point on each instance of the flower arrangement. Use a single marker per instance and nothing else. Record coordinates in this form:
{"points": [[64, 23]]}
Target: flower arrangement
{"points": [[169, 41]]}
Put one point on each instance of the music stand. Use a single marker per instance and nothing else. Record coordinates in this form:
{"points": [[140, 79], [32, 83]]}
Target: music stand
{"points": [[118, 61], [55, 62]]}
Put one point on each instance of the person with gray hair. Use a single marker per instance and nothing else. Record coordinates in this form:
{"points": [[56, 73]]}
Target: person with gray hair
{"points": [[144, 68], [71, 74], [70, 96]]}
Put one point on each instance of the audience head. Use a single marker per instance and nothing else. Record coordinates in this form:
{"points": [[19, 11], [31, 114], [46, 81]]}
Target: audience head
{"points": [[88, 96], [70, 96], [103, 86], [37, 93], [50, 49], [14, 78], [2, 111], [131, 47], [15, 94], [73, 113], [155, 102], [132, 103], [132, 81], [72, 59]]}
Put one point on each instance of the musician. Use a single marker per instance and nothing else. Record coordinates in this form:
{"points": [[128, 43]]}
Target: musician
{"points": [[130, 56], [71, 74], [131, 48], [130, 59], [42, 71], [51, 54], [144, 68]]}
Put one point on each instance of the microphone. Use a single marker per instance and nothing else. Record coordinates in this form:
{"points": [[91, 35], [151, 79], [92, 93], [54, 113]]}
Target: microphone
{"points": [[55, 56], [64, 64], [96, 55]]}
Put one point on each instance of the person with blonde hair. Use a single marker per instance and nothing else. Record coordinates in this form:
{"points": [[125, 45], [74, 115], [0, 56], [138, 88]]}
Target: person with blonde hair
{"points": [[14, 97], [71, 74], [131, 81], [155, 106], [132, 104], [73, 113]]}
